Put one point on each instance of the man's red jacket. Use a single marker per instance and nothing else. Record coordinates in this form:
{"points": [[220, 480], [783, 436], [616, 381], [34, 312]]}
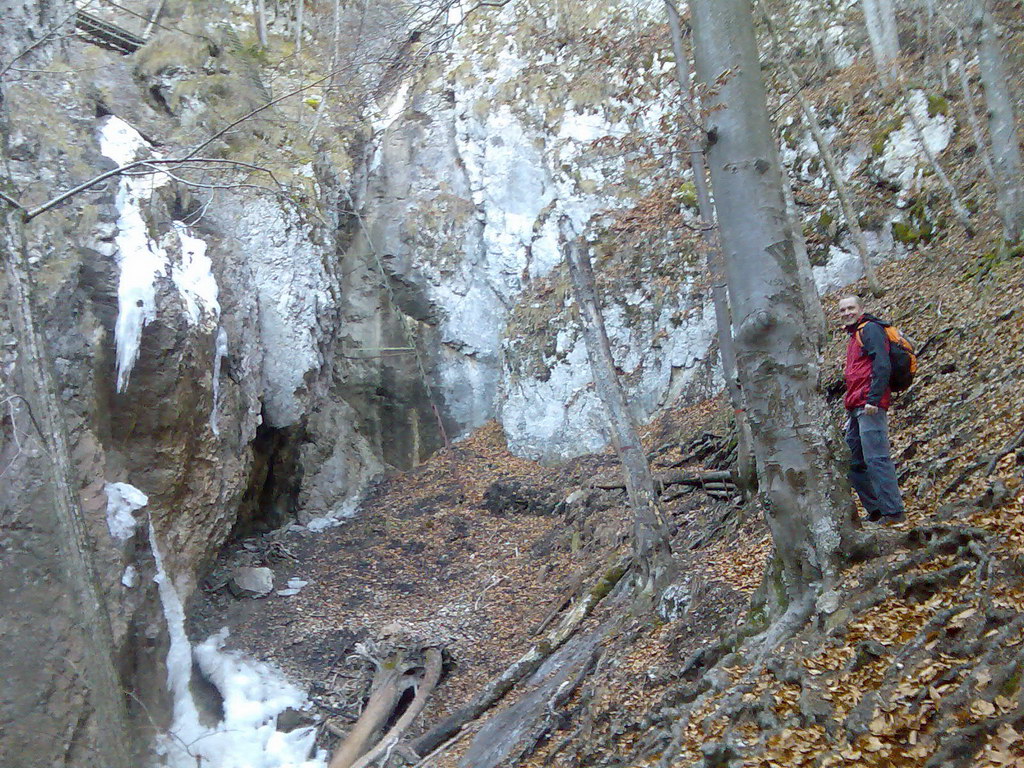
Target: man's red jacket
{"points": [[867, 364]]}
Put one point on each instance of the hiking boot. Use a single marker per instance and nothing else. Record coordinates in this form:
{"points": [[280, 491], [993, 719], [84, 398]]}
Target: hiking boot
{"points": [[874, 515], [899, 517]]}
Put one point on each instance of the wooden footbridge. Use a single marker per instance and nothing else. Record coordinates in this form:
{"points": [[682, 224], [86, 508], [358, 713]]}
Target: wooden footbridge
{"points": [[110, 30]]}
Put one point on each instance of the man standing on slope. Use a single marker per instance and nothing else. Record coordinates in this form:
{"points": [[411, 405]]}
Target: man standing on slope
{"points": [[867, 400]]}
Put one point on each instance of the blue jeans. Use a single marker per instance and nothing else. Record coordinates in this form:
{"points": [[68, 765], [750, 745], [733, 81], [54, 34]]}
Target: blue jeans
{"points": [[872, 473]]}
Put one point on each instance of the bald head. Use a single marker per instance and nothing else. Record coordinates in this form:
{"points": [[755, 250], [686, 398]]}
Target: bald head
{"points": [[851, 308]]}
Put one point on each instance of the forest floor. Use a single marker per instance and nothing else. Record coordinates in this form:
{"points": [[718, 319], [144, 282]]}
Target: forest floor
{"points": [[474, 549]]}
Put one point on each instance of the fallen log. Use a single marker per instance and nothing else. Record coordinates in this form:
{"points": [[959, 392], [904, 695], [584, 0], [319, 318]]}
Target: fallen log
{"points": [[390, 682], [431, 675], [675, 477], [526, 664]]}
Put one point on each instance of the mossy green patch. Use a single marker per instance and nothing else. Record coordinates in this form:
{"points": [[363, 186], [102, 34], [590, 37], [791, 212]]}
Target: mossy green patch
{"points": [[937, 105], [882, 133]]}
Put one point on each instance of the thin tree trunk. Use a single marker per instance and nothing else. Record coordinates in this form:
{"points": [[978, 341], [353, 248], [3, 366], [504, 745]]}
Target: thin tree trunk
{"points": [[300, 7], [880, 21], [807, 508], [983, 149], [746, 469], [101, 679], [261, 22], [817, 328], [830, 163], [1002, 124], [650, 533]]}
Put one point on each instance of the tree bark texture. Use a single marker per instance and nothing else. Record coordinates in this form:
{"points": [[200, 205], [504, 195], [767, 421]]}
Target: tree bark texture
{"points": [[390, 682], [106, 693], [880, 20], [746, 471], [431, 676], [807, 507], [1002, 124], [650, 534]]}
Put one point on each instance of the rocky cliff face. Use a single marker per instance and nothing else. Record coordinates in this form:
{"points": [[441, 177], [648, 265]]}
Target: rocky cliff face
{"points": [[482, 156]]}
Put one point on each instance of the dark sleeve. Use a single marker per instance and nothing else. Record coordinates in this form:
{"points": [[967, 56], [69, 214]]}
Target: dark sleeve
{"points": [[873, 338]]}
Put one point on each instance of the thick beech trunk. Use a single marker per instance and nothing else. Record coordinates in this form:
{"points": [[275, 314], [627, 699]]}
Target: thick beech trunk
{"points": [[746, 471], [650, 534], [1007, 167], [806, 505]]}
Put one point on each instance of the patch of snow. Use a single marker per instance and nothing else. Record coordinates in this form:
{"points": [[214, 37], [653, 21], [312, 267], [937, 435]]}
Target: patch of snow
{"points": [[253, 695], [122, 501], [294, 587], [344, 513], [130, 577]]}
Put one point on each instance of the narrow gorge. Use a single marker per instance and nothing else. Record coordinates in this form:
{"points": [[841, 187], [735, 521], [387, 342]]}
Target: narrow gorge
{"points": [[298, 417]]}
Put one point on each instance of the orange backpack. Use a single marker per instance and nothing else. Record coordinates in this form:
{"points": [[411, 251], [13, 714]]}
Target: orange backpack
{"points": [[902, 360]]}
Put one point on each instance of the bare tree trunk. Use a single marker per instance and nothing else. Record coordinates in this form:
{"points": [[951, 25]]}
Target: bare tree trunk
{"points": [[650, 534], [806, 506], [816, 327], [300, 7], [431, 676], [335, 55], [1002, 124], [261, 22], [831, 166], [746, 468], [105, 692], [880, 20], [983, 149]]}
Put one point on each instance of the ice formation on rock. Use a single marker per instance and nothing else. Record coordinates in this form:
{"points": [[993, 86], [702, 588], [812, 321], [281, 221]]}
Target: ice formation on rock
{"points": [[143, 259], [122, 501]]}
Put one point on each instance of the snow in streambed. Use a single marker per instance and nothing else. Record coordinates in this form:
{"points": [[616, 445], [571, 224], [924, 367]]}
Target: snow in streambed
{"points": [[253, 693], [143, 259]]}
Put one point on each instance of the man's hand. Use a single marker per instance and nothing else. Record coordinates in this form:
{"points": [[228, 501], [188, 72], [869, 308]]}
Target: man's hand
{"points": [[870, 410]]}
